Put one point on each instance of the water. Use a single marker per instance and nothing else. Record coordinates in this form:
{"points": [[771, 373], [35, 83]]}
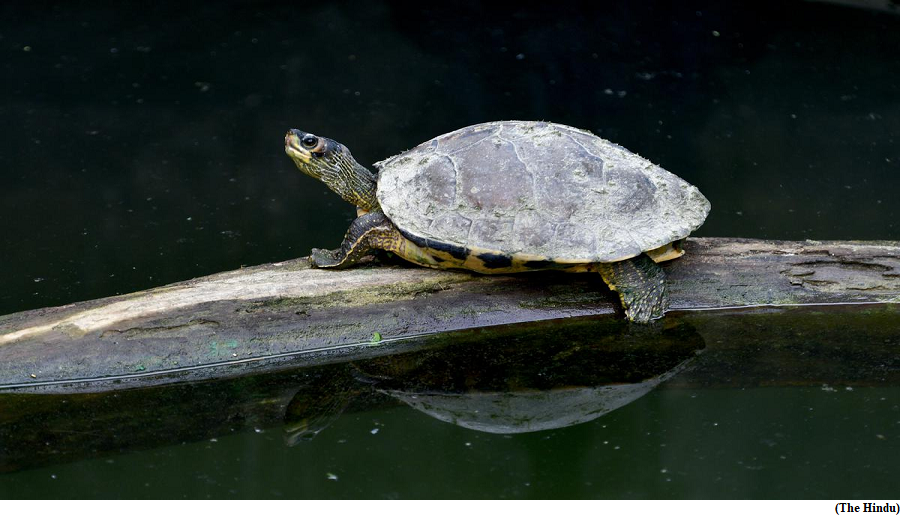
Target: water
{"points": [[140, 148]]}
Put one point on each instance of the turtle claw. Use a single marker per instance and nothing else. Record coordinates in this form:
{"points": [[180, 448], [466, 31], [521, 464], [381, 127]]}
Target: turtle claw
{"points": [[641, 285], [322, 258], [646, 307]]}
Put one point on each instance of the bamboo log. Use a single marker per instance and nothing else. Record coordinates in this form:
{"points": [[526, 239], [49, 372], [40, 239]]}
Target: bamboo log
{"points": [[260, 318]]}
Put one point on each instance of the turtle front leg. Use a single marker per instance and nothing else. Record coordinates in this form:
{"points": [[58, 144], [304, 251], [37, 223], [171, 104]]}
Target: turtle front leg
{"points": [[641, 285], [369, 232]]}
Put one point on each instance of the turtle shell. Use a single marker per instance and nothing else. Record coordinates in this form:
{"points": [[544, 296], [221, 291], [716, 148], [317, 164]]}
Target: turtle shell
{"points": [[536, 190]]}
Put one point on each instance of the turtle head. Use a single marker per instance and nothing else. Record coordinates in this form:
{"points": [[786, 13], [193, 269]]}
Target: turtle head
{"points": [[315, 156], [330, 162]]}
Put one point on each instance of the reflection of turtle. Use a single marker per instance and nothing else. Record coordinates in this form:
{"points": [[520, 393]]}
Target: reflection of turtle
{"points": [[319, 403], [328, 391], [514, 412], [508, 379], [536, 377], [514, 196]]}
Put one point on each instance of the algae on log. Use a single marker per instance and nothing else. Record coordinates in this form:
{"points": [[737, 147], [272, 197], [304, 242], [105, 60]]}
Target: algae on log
{"points": [[259, 317]]}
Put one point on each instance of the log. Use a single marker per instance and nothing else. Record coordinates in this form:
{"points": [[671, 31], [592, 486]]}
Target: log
{"points": [[278, 315]]}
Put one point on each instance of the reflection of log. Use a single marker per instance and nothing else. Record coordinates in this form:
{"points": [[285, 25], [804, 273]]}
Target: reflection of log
{"points": [[287, 308]]}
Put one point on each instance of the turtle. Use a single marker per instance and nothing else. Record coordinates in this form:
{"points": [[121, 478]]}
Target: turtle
{"points": [[513, 196]]}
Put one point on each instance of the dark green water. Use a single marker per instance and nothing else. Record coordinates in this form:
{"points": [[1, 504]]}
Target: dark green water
{"points": [[140, 147]]}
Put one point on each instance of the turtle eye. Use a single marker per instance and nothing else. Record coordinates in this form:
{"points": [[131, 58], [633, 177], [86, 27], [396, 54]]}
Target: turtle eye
{"points": [[309, 141]]}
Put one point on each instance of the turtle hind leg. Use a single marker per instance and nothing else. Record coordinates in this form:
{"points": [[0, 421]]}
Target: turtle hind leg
{"points": [[368, 232], [641, 285]]}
